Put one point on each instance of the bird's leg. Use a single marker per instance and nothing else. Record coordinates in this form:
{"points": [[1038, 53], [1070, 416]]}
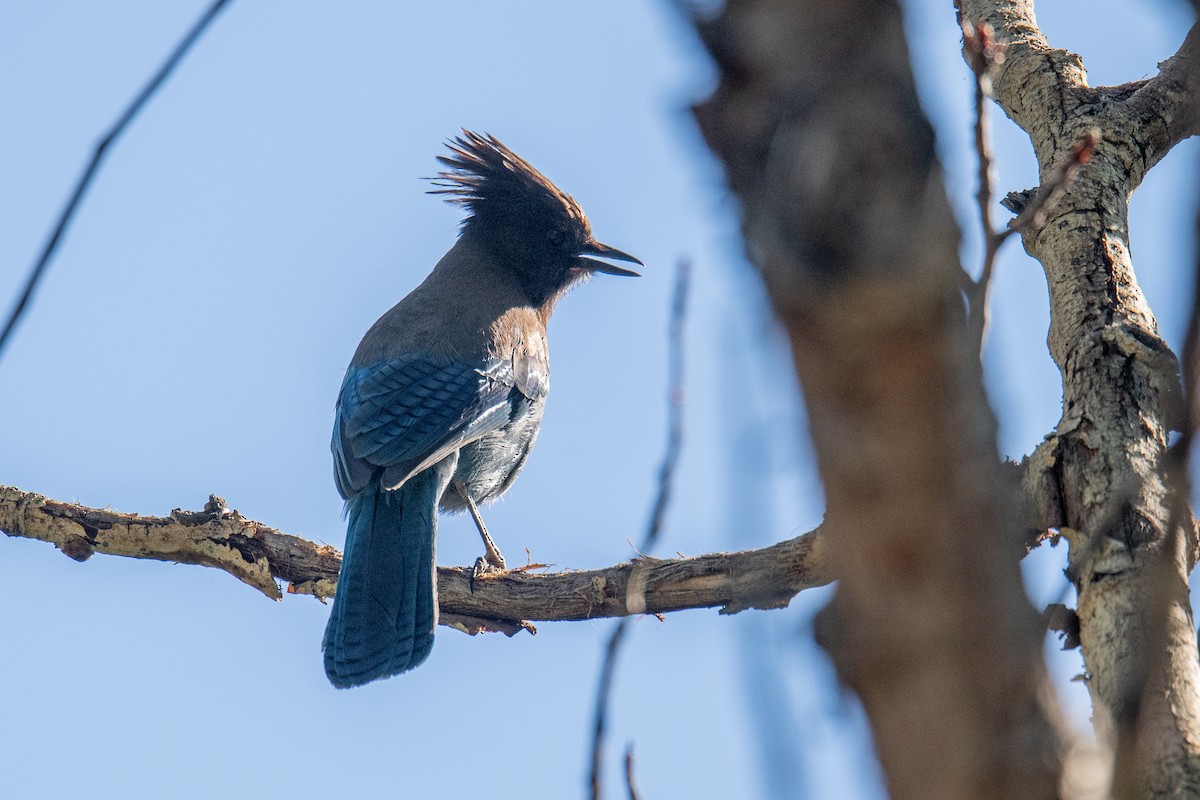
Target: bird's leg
{"points": [[492, 558]]}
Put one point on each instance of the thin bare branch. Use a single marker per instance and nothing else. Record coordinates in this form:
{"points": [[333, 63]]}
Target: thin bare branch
{"points": [[89, 172], [608, 669], [983, 54], [676, 387], [636, 599], [1035, 212], [630, 784], [1168, 104], [1034, 76], [1134, 716]]}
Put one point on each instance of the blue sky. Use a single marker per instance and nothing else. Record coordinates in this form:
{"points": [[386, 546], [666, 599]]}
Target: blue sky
{"points": [[264, 210]]}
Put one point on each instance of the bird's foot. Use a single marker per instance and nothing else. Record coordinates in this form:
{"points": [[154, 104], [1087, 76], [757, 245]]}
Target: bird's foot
{"points": [[494, 559], [485, 568]]}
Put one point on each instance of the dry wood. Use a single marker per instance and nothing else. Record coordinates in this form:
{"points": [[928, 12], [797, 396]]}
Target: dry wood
{"points": [[1099, 477], [257, 554]]}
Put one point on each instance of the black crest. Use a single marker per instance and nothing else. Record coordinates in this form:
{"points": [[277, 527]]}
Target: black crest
{"points": [[488, 179]]}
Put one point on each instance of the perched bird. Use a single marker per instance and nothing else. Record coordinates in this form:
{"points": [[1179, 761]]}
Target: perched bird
{"points": [[443, 399]]}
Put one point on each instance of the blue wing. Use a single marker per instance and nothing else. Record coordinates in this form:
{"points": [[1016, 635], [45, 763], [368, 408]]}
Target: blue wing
{"points": [[402, 416]]}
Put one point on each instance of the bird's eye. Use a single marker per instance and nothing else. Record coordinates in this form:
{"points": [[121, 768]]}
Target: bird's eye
{"points": [[556, 236]]}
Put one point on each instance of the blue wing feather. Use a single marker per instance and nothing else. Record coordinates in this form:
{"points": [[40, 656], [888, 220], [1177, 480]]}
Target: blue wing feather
{"points": [[399, 426], [398, 432], [402, 416]]}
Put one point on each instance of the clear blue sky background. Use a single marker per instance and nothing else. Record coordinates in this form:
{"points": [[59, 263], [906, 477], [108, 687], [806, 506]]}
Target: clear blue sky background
{"points": [[191, 336]]}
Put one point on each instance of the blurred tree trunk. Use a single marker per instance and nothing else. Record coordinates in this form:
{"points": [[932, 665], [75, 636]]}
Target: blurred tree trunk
{"points": [[817, 121]]}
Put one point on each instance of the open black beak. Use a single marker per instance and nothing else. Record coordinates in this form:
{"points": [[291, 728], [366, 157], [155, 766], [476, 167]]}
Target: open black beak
{"points": [[604, 251]]}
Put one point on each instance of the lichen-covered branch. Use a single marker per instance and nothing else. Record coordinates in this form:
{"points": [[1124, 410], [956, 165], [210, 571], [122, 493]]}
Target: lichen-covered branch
{"points": [[1100, 476], [102, 149], [654, 527], [217, 537], [817, 122], [259, 555]]}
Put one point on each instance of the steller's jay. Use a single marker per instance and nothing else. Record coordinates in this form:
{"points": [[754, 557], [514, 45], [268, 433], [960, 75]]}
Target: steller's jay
{"points": [[443, 399]]}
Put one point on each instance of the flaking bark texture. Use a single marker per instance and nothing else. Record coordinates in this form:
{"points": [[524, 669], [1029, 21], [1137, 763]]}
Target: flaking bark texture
{"points": [[817, 122], [1099, 476], [258, 555]]}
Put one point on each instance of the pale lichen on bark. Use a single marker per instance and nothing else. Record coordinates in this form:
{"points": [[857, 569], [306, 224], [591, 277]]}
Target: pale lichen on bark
{"points": [[1100, 474]]}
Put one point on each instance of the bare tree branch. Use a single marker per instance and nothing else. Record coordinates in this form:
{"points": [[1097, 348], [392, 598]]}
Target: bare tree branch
{"points": [[817, 121], [1100, 477], [1037, 77], [658, 513], [980, 44], [89, 172], [1166, 108], [630, 783], [608, 670], [983, 54], [1037, 208], [257, 555], [1139, 723]]}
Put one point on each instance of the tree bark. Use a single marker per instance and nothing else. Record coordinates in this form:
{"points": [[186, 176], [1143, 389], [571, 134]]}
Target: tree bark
{"points": [[258, 555], [817, 122], [1099, 477]]}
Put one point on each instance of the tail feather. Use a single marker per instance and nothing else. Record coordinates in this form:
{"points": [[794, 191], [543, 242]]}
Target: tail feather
{"points": [[385, 610]]}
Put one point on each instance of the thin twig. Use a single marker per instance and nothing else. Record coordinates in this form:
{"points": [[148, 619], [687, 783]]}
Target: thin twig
{"points": [[1031, 217], [635, 598], [630, 784], [603, 689], [982, 52], [1035, 213], [64, 217], [675, 403]]}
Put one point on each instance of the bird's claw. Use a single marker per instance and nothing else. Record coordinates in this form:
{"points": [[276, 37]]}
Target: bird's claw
{"points": [[484, 568]]}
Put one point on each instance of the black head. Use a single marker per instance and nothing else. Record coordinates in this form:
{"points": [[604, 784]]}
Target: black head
{"points": [[535, 228]]}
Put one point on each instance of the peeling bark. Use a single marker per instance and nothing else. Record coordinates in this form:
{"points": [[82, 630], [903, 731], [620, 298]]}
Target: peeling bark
{"points": [[258, 555], [1100, 475]]}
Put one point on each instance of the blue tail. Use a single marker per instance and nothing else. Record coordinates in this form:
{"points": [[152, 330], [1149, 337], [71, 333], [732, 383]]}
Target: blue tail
{"points": [[385, 610]]}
